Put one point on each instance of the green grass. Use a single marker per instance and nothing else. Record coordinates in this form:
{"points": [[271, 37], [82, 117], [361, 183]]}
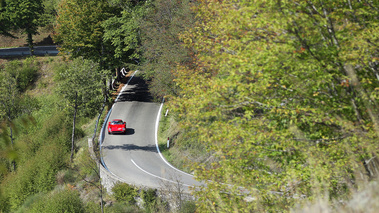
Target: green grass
{"points": [[181, 152]]}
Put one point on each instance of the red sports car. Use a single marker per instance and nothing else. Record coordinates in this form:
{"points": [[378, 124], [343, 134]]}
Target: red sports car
{"points": [[116, 126]]}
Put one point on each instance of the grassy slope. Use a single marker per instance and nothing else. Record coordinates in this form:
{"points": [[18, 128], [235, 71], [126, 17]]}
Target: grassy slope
{"points": [[42, 89], [41, 39]]}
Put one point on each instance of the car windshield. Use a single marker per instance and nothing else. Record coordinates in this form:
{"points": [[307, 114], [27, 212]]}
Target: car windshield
{"points": [[117, 122]]}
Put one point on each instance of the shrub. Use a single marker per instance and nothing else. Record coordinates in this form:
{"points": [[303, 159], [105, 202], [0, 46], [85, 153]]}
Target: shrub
{"points": [[188, 207], [36, 175], [66, 200], [4, 207], [124, 192], [25, 72], [149, 198], [85, 165], [122, 207]]}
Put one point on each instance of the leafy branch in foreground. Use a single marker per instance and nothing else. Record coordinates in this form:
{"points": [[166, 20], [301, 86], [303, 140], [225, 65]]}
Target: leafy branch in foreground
{"points": [[285, 95]]}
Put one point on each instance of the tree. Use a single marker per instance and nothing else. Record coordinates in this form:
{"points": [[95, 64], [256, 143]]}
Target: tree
{"points": [[284, 95], [161, 47], [123, 33], [10, 108], [14, 78], [80, 84], [79, 29], [24, 15], [5, 26], [50, 12]]}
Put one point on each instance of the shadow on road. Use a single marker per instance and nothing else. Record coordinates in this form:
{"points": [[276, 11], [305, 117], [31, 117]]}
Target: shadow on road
{"points": [[132, 147], [129, 131], [137, 91]]}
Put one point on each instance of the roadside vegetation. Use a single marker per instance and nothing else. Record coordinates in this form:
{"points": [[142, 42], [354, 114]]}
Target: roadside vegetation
{"points": [[274, 104]]}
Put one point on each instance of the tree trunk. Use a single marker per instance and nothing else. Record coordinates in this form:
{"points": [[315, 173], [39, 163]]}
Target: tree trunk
{"points": [[365, 98], [30, 43], [11, 135], [73, 128]]}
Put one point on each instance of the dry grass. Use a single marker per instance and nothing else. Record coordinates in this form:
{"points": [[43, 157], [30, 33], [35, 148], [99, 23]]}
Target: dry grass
{"points": [[42, 38], [362, 201], [44, 83]]}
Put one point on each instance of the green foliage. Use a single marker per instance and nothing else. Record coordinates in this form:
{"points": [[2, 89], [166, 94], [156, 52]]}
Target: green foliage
{"points": [[30, 201], [122, 207], [79, 29], [41, 154], [36, 175], [161, 46], [123, 33], [50, 12], [24, 15], [12, 106], [81, 87], [52, 128], [188, 207], [24, 72], [124, 192], [278, 92], [9, 97], [66, 200], [86, 166], [41, 144], [80, 84], [6, 24], [149, 197], [4, 207]]}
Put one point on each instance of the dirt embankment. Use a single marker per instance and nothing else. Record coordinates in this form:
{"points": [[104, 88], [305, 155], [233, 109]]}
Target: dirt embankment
{"points": [[43, 38]]}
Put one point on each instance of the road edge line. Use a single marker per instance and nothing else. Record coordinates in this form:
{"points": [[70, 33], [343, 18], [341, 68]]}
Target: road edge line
{"points": [[156, 142]]}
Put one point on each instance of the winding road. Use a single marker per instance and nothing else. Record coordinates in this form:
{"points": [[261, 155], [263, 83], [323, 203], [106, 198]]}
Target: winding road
{"points": [[134, 157]]}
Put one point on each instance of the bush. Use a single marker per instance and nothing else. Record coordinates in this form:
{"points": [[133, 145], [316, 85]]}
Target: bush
{"points": [[66, 200], [4, 207], [149, 198], [25, 72], [30, 201], [188, 207], [122, 207], [36, 175], [124, 192]]}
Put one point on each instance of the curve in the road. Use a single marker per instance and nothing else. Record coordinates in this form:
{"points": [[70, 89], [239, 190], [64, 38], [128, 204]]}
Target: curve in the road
{"points": [[135, 157]]}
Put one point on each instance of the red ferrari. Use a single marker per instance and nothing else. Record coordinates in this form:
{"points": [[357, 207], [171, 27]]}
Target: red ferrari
{"points": [[117, 126]]}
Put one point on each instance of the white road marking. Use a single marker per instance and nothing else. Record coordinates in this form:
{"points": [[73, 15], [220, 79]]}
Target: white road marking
{"points": [[156, 175], [123, 88], [156, 142]]}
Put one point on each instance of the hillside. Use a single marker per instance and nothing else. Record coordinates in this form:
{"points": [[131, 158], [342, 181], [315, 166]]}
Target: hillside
{"points": [[41, 39]]}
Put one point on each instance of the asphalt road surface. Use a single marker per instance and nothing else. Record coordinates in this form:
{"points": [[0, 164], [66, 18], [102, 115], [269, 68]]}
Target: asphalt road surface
{"points": [[134, 156]]}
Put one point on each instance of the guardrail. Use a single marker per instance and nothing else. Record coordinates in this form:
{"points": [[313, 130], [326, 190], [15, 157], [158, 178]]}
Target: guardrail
{"points": [[25, 51]]}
